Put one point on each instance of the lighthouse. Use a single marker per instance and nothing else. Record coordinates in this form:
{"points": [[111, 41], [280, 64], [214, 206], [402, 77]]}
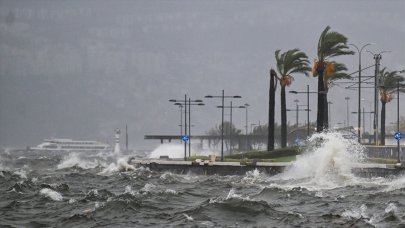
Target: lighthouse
{"points": [[117, 149]]}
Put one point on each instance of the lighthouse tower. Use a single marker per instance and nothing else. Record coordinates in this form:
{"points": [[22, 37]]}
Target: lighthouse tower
{"points": [[117, 149]]}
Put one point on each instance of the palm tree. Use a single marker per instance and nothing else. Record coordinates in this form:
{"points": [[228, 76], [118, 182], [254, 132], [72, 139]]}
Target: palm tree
{"points": [[272, 95], [337, 73], [389, 84], [289, 62], [330, 44]]}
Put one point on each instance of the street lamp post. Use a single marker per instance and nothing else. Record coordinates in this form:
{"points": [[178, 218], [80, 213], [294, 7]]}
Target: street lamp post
{"points": [[222, 120], [347, 111], [230, 125], [377, 57], [359, 50], [363, 112], [181, 119], [369, 102], [307, 92], [329, 117], [246, 126], [297, 111], [188, 137], [399, 155], [296, 104], [251, 127]]}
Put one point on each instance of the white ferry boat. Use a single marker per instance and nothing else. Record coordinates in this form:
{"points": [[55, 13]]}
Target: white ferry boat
{"points": [[71, 145]]}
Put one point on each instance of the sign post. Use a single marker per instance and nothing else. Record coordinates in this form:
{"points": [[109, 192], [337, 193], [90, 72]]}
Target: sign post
{"points": [[185, 138], [398, 136]]}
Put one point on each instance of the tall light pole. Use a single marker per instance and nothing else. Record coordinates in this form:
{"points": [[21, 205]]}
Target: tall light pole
{"points": [[359, 50], [246, 126], [329, 117], [307, 92], [181, 119], [369, 103], [308, 110], [377, 57], [399, 155], [230, 125], [251, 127], [297, 110], [186, 137], [296, 105], [347, 111], [363, 112], [190, 102], [222, 120]]}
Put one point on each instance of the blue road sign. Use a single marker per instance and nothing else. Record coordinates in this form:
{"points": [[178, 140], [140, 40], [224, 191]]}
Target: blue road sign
{"points": [[297, 141], [185, 138], [398, 136]]}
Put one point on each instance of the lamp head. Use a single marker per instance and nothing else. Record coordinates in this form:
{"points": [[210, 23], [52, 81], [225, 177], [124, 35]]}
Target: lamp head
{"points": [[208, 96]]}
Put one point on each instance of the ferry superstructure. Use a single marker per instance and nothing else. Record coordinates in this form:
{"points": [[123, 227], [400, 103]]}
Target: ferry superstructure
{"points": [[71, 145]]}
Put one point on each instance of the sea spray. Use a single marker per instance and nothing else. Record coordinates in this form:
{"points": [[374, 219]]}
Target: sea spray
{"points": [[326, 163], [177, 151], [81, 160], [54, 195], [120, 163]]}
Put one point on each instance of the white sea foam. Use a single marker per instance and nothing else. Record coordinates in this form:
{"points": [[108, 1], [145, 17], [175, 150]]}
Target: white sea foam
{"points": [[22, 173], [128, 189], [189, 218], [394, 184], [171, 150], [171, 191], [252, 177], [356, 213], [232, 194], [54, 195], [326, 164], [148, 188], [391, 208], [120, 164], [77, 159]]}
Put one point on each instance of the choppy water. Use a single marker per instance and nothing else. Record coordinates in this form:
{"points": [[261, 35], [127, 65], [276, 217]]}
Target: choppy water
{"points": [[48, 189]]}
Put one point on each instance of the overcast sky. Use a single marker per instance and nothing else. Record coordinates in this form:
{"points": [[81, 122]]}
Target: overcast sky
{"points": [[80, 69]]}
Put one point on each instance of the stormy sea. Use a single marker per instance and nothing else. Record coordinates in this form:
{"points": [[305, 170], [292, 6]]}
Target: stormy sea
{"points": [[82, 189]]}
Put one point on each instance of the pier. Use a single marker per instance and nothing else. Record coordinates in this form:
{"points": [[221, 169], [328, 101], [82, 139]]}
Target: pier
{"points": [[270, 168]]}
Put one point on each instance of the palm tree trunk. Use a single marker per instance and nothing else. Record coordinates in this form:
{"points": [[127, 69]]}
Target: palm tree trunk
{"points": [[382, 141], [272, 102], [321, 100], [283, 119]]}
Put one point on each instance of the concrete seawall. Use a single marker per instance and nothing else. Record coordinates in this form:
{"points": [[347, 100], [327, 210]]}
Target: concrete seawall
{"points": [[270, 168], [211, 168]]}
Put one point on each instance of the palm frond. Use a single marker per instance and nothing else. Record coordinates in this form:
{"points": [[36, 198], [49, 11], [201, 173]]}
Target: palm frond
{"points": [[332, 44], [292, 61], [339, 72], [389, 81]]}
